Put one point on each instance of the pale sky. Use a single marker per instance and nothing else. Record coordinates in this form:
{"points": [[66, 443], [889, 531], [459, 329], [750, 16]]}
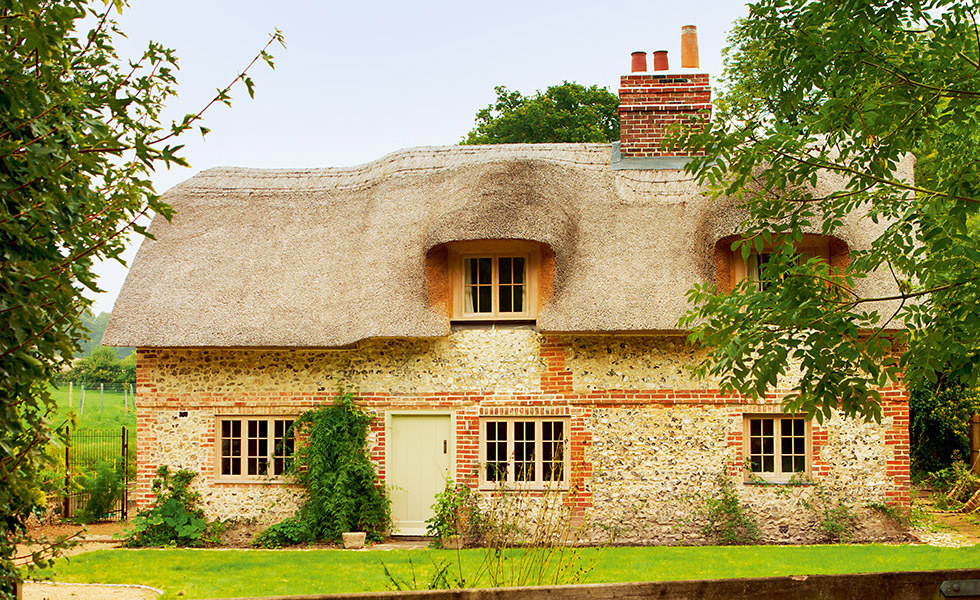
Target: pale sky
{"points": [[359, 80]]}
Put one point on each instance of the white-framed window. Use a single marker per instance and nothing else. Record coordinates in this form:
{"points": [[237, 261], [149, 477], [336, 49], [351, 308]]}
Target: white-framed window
{"points": [[777, 448], [524, 451], [495, 280], [253, 447]]}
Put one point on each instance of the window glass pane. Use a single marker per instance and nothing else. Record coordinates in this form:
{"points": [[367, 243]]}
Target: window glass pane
{"points": [[519, 270], [524, 450], [787, 464], [485, 270], [552, 450], [484, 299], [506, 270], [496, 451], [506, 301], [518, 298]]}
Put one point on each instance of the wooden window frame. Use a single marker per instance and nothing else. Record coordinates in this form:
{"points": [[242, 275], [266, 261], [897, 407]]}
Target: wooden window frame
{"points": [[270, 440], [510, 481], [777, 475], [811, 246], [529, 251]]}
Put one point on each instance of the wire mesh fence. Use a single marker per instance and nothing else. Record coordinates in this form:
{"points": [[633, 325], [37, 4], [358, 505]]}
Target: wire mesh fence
{"points": [[98, 469]]}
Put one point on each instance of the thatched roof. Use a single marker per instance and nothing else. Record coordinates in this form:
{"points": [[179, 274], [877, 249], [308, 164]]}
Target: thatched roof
{"points": [[327, 257]]}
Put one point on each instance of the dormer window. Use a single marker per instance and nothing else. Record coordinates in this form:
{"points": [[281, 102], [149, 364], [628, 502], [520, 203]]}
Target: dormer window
{"points": [[495, 286], [495, 281], [733, 269]]}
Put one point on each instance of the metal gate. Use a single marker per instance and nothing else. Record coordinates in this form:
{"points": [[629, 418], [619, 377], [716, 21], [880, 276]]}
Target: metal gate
{"points": [[97, 474]]}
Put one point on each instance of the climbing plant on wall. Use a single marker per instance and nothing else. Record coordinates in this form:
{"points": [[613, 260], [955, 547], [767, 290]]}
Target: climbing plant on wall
{"points": [[333, 464]]}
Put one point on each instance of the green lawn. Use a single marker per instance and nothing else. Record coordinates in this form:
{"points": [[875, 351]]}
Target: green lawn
{"points": [[99, 411], [230, 573]]}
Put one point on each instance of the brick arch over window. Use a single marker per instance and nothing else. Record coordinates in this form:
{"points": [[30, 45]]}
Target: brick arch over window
{"points": [[731, 268], [444, 268]]}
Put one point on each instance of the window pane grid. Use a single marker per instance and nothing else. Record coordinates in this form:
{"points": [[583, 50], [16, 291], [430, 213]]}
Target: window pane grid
{"points": [[777, 446], [495, 285], [251, 447], [530, 452], [478, 285]]}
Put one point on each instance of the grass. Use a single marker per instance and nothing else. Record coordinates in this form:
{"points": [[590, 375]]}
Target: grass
{"points": [[98, 412], [186, 573]]}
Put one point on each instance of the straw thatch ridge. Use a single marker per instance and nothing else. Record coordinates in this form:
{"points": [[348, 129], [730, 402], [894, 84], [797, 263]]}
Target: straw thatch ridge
{"points": [[327, 257]]}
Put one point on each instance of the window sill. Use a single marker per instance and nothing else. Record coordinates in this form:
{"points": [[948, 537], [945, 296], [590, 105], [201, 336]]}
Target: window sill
{"points": [[253, 481], [459, 324], [489, 487], [765, 482]]}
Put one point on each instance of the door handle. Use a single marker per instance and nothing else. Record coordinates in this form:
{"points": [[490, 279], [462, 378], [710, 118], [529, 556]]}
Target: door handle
{"points": [[445, 446]]}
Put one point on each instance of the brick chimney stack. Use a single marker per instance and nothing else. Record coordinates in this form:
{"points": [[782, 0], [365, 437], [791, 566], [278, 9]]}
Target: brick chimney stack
{"points": [[651, 103]]}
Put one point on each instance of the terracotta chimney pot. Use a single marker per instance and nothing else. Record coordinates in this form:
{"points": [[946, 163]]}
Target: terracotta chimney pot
{"points": [[689, 47], [660, 60], [639, 62]]}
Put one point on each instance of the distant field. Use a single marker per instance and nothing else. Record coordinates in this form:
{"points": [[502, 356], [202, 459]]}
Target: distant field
{"points": [[98, 411]]}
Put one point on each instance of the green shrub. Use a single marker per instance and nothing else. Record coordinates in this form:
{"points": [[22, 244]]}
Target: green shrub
{"points": [[104, 488], [174, 518], [333, 464], [954, 485], [288, 532], [939, 421], [729, 522], [455, 513], [835, 518]]}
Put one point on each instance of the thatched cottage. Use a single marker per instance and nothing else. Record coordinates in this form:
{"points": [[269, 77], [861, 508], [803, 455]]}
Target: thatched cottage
{"points": [[508, 314]]}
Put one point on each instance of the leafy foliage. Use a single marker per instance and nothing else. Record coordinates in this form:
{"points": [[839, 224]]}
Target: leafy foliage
{"points": [[939, 417], [727, 520], [455, 513], [102, 366], [80, 135], [342, 492], [288, 532], [841, 93], [835, 519], [174, 518], [568, 112], [104, 488]]}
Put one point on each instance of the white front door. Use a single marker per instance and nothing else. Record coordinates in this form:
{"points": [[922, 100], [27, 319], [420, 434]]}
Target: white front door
{"points": [[419, 453]]}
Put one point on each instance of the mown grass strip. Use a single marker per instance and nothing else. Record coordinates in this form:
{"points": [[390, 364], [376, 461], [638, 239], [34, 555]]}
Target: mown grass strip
{"points": [[230, 573]]}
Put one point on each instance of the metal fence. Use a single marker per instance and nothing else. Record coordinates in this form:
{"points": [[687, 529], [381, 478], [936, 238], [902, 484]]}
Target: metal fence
{"points": [[89, 455]]}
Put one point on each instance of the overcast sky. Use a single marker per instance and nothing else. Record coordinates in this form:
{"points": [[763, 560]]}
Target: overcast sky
{"points": [[361, 79]]}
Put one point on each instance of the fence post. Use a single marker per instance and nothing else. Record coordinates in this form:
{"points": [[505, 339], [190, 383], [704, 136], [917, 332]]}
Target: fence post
{"points": [[66, 510], [81, 402], [975, 443], [125, 453], [101, 397], [125, 399]]}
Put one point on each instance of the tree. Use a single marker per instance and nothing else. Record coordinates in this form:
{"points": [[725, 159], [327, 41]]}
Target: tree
{"points": [[80, 134], [848, 88], [563, 113]]}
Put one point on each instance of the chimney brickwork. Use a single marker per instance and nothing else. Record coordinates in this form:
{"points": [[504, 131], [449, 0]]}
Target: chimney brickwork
{"points": [[651, 104]]}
